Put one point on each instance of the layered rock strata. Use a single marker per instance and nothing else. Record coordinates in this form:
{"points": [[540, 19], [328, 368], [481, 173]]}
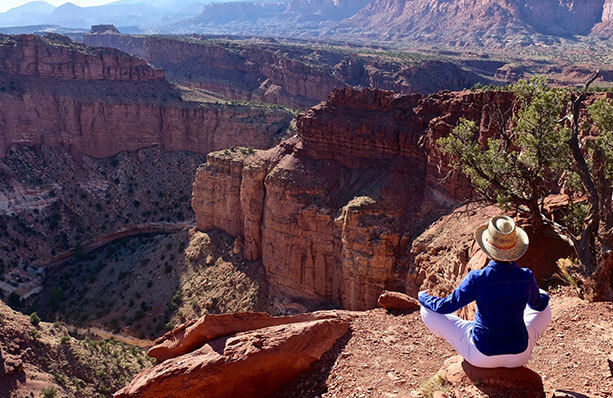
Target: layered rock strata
{"points": [[332, 211], [335, 212], [294, 75], [101, 101], [192, 335], [255, 363]]}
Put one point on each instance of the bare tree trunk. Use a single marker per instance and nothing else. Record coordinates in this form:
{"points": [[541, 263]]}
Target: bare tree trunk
{"points": [[595, 249], [586, 249], [599, 286]]}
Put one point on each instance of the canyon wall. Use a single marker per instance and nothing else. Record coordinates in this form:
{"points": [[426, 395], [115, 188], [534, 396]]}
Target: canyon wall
{"points": [[337, 212], [295, 75], [332, 211], [101, 101], [604, 29]]}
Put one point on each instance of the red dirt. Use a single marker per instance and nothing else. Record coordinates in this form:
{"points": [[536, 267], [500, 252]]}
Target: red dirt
{"points": [[391, 356]]}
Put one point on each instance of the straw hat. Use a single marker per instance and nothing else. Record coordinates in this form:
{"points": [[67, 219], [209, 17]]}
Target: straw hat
{"points": [[501, 240]]}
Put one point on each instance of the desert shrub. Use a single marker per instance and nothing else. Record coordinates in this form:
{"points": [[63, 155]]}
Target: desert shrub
{"points": [[34, 319], [48, 392]]}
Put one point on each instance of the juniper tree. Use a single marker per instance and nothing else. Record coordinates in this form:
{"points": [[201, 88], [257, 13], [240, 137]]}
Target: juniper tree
{"points": [[541, 147]]}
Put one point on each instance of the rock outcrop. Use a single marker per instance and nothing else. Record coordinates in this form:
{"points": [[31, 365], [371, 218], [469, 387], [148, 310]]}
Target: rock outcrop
{"points": [[604, 29], [494, 23], [469, 381], [334, 212], [250, 364], [192, 335], [100, 102]]}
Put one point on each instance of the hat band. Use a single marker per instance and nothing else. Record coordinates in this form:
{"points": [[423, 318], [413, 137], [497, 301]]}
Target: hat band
{"points": [[502, 247]]}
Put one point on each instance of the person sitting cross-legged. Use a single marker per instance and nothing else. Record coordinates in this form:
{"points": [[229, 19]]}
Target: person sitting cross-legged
{"points": [[512, 312]]}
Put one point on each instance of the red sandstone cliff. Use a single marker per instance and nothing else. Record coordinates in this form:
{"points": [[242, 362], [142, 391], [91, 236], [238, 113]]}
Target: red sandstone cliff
{"points": [[333, 212], [297, 76], [604, 29], [101, 101]]}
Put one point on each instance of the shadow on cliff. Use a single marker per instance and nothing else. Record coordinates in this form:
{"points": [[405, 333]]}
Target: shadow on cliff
{"points": [[312, 383]]}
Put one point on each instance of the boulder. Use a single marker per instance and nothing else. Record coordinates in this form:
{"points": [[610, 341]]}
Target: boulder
{"points": [[610, 362], [398, 301], [193, 335], [10, 364], [497, 382], [251, 364]]}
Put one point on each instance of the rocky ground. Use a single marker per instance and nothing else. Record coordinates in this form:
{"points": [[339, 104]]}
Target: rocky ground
{"points": [[144, 285], [52, 201], [45, 360], [386, 355]]}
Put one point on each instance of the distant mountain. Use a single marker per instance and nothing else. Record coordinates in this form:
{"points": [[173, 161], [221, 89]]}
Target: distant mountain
{"points": [[291, 17], [488, 23], [460, 23], [480, 22], [142, 13], [71, 15], [28, 14]]}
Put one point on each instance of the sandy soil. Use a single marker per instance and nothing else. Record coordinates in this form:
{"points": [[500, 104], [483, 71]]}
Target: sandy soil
{"points": [[388, 355]]}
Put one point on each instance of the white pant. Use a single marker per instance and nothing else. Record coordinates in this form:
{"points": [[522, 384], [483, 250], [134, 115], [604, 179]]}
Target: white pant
{"points": [[457, 333]]}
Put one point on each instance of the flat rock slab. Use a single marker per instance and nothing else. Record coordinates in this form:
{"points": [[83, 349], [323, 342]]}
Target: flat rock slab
{"points": [[250, 364], [193, 335], [497, 382]]}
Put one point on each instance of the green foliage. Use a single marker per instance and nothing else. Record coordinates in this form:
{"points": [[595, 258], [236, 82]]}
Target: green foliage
{"points": [[530, 153], [34, 334], [515, 168], [602, 114], [432, 385], [78, 251], [56, 297], [48, 392], [34, 319], [14, 301]]}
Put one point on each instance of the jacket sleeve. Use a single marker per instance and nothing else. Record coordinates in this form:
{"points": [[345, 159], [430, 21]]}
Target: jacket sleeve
{"points": [[461, 296], [538, 299]]}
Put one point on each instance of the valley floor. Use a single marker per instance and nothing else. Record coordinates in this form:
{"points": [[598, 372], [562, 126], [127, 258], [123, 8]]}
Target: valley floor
{"points": [[392, 356]]}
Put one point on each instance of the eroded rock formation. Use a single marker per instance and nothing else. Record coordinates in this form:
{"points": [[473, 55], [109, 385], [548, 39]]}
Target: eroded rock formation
{"points": [[469, 381], [298, 76], [101, 101], [336, 212], [254, 363], [332, 211], [192, 335]]}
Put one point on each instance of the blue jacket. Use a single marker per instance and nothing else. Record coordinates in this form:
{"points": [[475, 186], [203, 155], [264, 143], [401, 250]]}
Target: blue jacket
{"points": [[502, 291]]}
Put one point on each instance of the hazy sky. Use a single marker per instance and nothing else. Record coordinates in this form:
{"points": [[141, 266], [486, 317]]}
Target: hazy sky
{"points": [[8, 4]]}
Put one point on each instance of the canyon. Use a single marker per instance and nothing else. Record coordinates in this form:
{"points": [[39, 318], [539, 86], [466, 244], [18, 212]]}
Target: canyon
{"points": [[94, 142], [300, 74], [148, 187], [45, 102], [295, 75], [335, 213]]}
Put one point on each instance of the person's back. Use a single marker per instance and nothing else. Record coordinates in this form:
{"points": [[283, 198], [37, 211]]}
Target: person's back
{"points": [[511, 311]]}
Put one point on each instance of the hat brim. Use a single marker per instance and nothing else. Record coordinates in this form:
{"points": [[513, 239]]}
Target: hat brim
{"points": [[512, 254]]}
